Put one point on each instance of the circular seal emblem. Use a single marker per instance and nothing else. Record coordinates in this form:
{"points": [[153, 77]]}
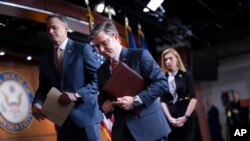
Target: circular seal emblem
{"points": [[15, 102]]}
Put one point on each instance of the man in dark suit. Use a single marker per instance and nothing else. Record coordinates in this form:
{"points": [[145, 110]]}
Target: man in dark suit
{"points": [[76, 78], [149, 123]]}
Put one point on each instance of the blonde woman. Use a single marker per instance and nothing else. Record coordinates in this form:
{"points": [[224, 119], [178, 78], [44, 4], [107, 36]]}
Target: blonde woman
{"points": [[179, 103]]}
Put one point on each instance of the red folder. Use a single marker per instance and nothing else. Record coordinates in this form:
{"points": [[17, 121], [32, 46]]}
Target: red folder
{"points": [[124, 82]]}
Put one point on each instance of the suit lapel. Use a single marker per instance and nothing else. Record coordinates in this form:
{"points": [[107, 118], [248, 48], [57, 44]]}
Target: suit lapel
{"points": [[178, 78], [69, 50], [106, 72], [51, 70], [52, 64], [124, 55]]}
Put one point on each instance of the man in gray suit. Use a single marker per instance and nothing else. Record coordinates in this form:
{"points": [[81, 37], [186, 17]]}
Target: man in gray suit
{"points": [[149, 124], [75, 77]]}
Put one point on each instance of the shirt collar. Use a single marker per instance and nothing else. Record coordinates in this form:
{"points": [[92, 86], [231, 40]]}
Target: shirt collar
{"points": [[174, 73], [117, 57], [63, 45]]}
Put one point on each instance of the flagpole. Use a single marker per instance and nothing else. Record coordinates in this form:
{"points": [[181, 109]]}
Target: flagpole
{"points": [[126, 30], [139, 32], [89, 15], [141, 37]]}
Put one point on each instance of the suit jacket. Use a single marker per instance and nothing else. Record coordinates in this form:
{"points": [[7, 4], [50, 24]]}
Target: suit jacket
{"points": [[150, 123], [78, 75], [184, 88]]}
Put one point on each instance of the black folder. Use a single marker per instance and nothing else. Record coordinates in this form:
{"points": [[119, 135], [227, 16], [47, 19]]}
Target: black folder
{"points": [[124, 82]]}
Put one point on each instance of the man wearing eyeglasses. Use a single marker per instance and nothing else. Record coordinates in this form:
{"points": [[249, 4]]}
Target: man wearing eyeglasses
{"points": [[149, 124]]}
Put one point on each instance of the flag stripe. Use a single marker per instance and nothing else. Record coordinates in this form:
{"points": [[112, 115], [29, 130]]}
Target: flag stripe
{"points": [[106, 133], [106, 126]]}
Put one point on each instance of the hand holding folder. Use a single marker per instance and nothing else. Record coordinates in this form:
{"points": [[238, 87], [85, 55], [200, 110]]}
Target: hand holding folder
{"points": [[53, 110], [124, 82]]}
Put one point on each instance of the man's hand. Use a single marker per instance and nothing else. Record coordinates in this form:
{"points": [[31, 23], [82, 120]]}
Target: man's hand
{"points": [[36, 112], [108, 106], [66, 97], [126, 102]]}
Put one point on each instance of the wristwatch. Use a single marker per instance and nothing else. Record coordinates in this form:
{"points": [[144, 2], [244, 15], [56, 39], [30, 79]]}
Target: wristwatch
{"points": [[137, 101], [77, 95]]}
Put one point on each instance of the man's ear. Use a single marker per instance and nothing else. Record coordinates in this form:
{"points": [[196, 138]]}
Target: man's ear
{"points": [[67, 29], [117, 37]]}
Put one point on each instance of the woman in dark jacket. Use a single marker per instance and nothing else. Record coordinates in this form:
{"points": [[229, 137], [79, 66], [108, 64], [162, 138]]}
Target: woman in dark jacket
{"points": [[179, 105]]}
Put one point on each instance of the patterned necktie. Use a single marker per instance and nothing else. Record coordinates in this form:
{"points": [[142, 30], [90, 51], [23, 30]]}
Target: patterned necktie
{"points": [[59, 59], [172, 87]]}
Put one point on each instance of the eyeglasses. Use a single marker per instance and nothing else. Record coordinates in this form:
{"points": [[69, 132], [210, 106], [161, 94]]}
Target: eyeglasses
{"points": [[102, 43]]}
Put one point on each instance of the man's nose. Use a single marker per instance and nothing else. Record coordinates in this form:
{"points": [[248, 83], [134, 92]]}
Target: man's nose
{"points": [[101, 48], [50, 31]]}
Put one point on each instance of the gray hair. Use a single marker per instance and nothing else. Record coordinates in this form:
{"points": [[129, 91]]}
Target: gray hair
{"points": [[60, 17], [107, 27]]}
